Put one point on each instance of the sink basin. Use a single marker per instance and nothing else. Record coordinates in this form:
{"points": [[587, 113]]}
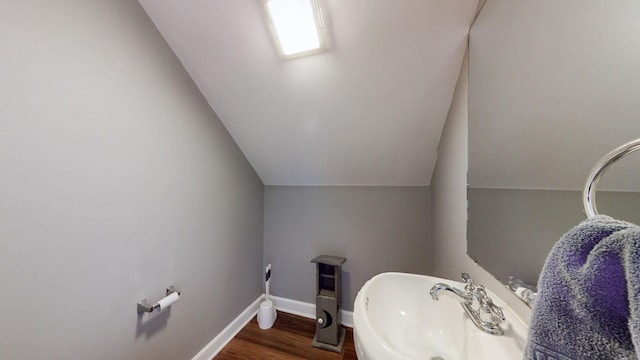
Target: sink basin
{"points": [[395, 318]]}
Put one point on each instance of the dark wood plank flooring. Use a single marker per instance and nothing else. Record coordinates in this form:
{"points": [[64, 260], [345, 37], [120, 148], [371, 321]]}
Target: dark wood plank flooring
{"points": [[289, 338]]}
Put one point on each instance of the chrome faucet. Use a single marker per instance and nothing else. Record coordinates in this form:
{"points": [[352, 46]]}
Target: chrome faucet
{"points": [[441, 288], [475, 301]]}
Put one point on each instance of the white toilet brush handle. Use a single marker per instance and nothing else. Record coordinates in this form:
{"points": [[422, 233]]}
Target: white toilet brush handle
{"points": [[267, 280]]}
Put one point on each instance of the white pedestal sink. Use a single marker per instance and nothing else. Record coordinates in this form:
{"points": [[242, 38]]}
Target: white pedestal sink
{"points": [[395, 318]]}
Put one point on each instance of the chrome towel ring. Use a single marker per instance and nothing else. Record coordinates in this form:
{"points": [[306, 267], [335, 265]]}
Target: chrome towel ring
{"points": [[589, 192]]}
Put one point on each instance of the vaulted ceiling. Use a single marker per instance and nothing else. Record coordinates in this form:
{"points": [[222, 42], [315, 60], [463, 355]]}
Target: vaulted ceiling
{"points": [[368, 112]]}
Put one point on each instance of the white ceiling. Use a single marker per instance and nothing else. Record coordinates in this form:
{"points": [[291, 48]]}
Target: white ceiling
{"points": [[368, 112]]}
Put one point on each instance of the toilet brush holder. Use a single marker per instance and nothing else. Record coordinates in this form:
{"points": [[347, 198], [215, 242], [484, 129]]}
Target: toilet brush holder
{"points": [[267, 312], [266, 315]]}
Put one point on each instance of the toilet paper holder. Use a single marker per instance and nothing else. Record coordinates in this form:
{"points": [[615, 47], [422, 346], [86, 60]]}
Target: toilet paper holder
{"points": [[144, 306]]}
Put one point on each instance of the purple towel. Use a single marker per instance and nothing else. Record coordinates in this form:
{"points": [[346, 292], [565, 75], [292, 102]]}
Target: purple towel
{"points": [[588, 304]]}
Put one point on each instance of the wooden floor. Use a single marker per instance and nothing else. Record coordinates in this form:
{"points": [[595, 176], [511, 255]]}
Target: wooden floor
{"points": [[289, 338]]}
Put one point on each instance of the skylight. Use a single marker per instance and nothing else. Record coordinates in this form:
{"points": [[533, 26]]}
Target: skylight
{"points": [[298, 26]]}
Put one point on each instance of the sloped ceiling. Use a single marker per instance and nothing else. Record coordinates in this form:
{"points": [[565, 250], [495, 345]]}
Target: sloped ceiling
{"points": [[368, 112]]}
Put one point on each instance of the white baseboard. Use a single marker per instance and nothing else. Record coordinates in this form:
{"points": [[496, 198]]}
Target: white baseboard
{"points": [[290, 306], [307, 310], [222, 339]]}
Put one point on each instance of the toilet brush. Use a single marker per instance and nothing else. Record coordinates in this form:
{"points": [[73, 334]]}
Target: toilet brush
{"points": [[267, 312]]}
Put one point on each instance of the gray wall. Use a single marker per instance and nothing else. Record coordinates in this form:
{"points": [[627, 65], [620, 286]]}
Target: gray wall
{"points": [[116, 180], [377, 229]]}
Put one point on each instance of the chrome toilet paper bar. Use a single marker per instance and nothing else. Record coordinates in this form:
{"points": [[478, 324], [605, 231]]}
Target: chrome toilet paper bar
{"points": [[172, 295]]}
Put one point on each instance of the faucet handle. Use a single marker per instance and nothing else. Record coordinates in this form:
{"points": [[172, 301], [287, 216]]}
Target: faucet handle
{"points": [[497, 316], [470, 286], [497, 313], [487, 304]]}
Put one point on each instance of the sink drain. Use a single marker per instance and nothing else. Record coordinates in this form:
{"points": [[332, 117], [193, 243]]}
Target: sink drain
{"points": [[437, 358]]}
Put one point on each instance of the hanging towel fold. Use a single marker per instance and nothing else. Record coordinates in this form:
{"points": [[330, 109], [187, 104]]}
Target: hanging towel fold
{"points": [[588, 304]]}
